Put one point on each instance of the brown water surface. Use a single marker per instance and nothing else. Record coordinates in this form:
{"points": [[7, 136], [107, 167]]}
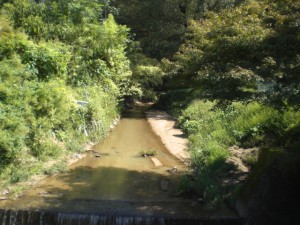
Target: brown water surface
{"points": [[119, 180]]}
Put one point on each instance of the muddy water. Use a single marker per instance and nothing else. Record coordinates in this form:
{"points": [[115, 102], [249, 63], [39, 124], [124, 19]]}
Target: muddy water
{"points": [[120, 181], [119, 174]]}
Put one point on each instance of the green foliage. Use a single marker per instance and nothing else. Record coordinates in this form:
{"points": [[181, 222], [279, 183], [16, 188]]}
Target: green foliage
{"points": [[146, 153], [13, 125], [147, 77], [160, 25], [43, 61], [47, 60], [291, 130], [100, 111], [59, 82], [250, 51], [212, 130], [59, 167], [99, 54], [88, 52], [18, 175], [243, 62], [13, 135], [256, 124], [157, 24], [175, 100]]}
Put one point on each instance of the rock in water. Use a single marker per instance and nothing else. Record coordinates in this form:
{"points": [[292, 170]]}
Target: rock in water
{"points": [[164, 184], [156, 162], [172, 170]]}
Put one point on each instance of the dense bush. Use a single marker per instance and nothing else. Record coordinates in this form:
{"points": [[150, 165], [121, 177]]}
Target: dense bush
{"points": [[213, 130], [59, 82], [242, 63], [147, 77], [243, 53]]}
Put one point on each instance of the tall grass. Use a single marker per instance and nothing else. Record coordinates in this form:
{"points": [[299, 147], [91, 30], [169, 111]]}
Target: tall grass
{"points": [[41, 121], [212, 130]]}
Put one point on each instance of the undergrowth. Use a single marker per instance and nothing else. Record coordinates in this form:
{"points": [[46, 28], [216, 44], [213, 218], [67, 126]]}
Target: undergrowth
{"points": [[43, 115], [213, 130]]}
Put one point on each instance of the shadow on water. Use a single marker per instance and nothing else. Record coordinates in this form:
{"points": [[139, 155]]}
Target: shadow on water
{"points": [[133, 114], [123, 197], [120, 191], [136, 111], [118, 188], [111, 183]]}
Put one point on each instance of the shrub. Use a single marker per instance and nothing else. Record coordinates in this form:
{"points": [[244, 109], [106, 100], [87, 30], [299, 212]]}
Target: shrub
{"points": [[212, 130], [40, 118], [47, 60], [146, 153], [59, 167]]}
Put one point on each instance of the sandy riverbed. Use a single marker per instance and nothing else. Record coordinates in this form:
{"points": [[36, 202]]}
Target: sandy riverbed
{"points": [[173, 139]]}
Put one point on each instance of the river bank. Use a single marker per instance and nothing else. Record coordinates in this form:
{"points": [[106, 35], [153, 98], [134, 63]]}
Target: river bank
{"points": [[131, 177], [50, 168], [161, 123], [164, 126]]}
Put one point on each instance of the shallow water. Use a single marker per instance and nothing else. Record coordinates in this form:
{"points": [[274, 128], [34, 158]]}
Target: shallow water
{"points": [[120, 173], [120, 182]]}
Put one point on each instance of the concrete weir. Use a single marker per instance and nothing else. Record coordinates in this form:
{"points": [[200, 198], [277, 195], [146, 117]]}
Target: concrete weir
{"points": [[39, 217]]}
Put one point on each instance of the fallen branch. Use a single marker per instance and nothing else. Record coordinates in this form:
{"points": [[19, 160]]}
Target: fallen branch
{"points": [[93, 151], [97, 154]]}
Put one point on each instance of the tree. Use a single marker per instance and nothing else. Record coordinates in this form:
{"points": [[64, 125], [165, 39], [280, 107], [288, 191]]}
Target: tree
{"points": [[242, 53]]}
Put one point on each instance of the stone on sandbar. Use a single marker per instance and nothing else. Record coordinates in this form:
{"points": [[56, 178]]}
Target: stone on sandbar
{"points": [[156, 162]]}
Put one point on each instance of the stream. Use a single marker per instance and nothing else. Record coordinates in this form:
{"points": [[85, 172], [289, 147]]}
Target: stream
{"points": [[118, 188]]}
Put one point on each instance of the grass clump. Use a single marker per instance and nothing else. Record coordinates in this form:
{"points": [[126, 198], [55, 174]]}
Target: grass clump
{"points": [[58, 167], [213, 130], [40, 117], [147, 153]]}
